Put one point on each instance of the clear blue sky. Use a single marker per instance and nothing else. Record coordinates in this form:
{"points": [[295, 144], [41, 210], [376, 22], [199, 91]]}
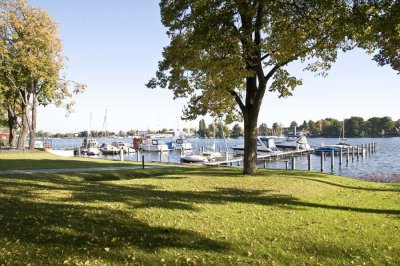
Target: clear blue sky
{"points": [[114, 46]]}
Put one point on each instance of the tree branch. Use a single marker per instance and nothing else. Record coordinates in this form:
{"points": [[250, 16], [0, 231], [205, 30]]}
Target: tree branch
{"points": [[238, 100]]}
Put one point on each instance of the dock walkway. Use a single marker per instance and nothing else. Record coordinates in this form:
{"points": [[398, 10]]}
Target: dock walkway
{"points": [[263, 157]]}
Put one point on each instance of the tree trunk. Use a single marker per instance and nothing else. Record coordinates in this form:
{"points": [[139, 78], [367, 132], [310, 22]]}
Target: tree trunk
{"points": [[23, 132], [12, 126], [250, 143], [32, 128]]}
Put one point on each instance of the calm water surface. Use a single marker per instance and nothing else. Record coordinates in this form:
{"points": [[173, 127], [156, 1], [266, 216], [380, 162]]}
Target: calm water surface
{"points": [[382, 166]]}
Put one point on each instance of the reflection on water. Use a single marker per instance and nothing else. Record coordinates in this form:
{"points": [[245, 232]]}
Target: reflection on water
{"points": [[382, 166]]}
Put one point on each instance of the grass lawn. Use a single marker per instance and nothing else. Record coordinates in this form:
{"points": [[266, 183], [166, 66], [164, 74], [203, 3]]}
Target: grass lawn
{"points": [[196, 216], [45, 160]]}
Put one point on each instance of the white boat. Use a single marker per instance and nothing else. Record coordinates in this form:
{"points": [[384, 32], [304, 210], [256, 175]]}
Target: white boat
{"points": [[203, 157], [265, 144], [89, 147], [207, 156], [122, 145], [157, 145], [109, 149], [295, 141], [181, 144]]}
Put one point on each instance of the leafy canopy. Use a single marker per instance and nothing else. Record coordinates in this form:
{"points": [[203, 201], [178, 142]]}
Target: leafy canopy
{"points": [[223, 53]]}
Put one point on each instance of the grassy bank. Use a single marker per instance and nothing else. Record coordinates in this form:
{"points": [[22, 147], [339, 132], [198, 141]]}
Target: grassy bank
{"points": [[45, 160], [197, 216]]}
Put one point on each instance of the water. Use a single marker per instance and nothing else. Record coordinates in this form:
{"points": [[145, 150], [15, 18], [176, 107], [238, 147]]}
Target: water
{"points": [[382, 166]]}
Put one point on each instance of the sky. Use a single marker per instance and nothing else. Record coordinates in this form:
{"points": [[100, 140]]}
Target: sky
{"points": [[113, 46]]}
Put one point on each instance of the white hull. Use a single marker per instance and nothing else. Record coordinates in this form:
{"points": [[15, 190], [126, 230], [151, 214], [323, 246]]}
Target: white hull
{"points": [[93, 151], [264, 145], [185, 146], [156, 148]]}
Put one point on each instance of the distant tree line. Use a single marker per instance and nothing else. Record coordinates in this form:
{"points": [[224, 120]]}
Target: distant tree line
{"points": [[328, 127], [353, 127]]}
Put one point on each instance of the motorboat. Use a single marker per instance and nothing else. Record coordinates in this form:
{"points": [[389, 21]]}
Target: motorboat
{"points": [[89, 147], [180, 144], [122, 145], [342, 145], [328, 149], [265, 144], [109, 149], [206, 156], [157, 145], [295, 141]]}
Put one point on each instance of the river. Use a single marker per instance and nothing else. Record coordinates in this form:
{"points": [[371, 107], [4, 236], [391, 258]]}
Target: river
{"points": [[382, 166]]}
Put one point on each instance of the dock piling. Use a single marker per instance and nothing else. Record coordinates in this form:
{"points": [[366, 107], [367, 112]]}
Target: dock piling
{"points": [[340, 158], [293, 163], [332, 160], [347, 155], [309, 161], [362, 151], [322, 161], [352, 153], [287, 164], [121, 154], [358, 152], [142, 161]]}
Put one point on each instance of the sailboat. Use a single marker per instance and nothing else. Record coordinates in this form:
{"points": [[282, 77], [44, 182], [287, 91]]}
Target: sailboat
{"points": [[342, 145]]}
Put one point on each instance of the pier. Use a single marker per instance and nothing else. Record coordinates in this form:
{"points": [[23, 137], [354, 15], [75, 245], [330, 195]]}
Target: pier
{"points": [[273, 156], [346, 156]]}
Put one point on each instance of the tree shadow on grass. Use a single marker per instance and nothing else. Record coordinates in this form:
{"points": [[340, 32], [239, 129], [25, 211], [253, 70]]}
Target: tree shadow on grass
{"points": [[146, 196], [78, 230], [71, 221], [28, 164], [317, 177]]}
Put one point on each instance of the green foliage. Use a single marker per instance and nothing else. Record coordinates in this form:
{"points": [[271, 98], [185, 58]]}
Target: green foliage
{"points": [[218, 48], [202, 129], [263, 130], [237, 131], [377, 29], [293, 124], [276, 129]]}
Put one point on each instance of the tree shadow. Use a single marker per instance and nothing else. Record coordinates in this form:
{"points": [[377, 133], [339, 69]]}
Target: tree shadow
{"points": [[79, 230], [317, 177], [58, 163]]}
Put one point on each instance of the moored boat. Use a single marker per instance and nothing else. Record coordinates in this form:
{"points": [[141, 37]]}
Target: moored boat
{"points": [[108, 149], [89, 147], [295, 141], [265, 144], [156, 145], [203, 157], [122, 146], [180, 144]]}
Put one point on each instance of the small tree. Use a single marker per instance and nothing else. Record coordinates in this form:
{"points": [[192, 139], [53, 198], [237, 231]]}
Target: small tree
{"points": [[237, 131], [31, 64], [263, 130]]}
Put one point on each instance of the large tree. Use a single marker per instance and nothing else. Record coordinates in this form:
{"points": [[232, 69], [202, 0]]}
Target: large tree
{"points": [[32, 63], [224, 55]]}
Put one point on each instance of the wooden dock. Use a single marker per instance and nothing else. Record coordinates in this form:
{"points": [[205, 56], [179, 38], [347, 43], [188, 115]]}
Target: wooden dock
{"points": [[272, 156]]}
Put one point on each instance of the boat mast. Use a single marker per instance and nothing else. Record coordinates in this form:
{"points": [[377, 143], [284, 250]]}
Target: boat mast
{"points": [[90, 125], [105, 125]]}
